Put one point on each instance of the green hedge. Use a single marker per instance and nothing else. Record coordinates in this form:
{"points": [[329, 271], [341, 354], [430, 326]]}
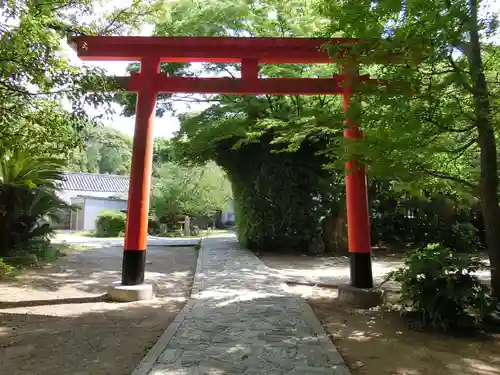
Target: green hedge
{"points": [[110, 224], [280, 197]]}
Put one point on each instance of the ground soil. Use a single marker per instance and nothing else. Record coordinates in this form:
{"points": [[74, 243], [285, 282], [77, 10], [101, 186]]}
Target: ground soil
{"points": [[379, 341], [55, 320], [335, 269]]}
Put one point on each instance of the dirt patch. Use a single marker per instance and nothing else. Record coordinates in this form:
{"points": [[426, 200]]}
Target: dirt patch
{"points": [[380, 342], [327, 270], [55, 320], [334, 270]]}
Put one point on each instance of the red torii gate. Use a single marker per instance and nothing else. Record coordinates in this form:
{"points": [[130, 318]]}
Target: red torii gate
{"points": [[250, 52]]}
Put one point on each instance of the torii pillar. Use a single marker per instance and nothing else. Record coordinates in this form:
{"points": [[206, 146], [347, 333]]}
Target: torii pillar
{"points": [[136, 233], [132, 286], [358, 222]]}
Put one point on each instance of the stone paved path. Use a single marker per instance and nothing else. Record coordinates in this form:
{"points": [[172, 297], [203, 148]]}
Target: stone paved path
{"points": [[241, 320]]}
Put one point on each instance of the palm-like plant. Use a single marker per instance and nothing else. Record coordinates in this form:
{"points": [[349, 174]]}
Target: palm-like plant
{"points": [[27, 199], [22, 169]]}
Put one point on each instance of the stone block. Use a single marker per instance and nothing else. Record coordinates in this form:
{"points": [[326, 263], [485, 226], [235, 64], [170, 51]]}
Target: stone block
{"points": [[361, 298], [130, 293]]}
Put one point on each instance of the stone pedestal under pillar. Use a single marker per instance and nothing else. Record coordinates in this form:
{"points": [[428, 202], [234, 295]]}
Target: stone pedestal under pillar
{"points": [[361, 298], [130, 293]]}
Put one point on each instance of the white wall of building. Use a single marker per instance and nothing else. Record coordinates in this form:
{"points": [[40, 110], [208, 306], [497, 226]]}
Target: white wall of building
{"points": [[67, 195], [94, 206]]}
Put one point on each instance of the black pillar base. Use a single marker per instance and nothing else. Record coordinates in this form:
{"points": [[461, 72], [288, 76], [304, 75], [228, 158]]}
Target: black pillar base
{"points": [[134, 264], [361, 270]]}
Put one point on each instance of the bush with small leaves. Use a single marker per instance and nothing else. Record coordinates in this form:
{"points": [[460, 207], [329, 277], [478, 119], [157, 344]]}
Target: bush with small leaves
{"points": [[440, 289], [110, 224], [6, 269]]}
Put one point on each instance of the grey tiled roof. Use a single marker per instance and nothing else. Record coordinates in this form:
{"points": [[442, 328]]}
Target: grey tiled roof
{"points": [[95, 182]]}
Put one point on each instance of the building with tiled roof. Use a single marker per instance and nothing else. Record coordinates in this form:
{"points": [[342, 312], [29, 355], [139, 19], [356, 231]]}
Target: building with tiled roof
{"points": [[95, 183], [92, 193]]}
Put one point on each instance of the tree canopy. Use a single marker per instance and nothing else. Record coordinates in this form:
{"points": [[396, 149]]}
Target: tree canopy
{"points": [[180, 191], [105, 150], [44, 98]]}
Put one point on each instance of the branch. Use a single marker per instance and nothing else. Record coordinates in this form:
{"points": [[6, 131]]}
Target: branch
{"points": [[448, 177], [426, 141], [63, 28], [461, 150], [461, 108], [439, 73], [447, 129], [457, 71], [492, 56], [270, 102], [228, 71], [105, 30], [190, 98], [25, 92]]}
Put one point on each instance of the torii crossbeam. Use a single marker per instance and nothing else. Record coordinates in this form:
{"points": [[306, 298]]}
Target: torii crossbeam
{"points": [[249, 52]]}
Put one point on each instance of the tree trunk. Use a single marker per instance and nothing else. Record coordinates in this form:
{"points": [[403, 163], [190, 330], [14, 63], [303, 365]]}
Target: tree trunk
{"points": [[187, 226], [334, 235], [486, 137]]}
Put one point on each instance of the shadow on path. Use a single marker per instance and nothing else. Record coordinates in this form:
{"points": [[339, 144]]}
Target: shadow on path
{"points": [[56, 320]]}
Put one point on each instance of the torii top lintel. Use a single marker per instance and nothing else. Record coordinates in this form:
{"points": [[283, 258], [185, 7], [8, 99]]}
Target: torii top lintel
{"points": [[213, 49], [248, 51]]}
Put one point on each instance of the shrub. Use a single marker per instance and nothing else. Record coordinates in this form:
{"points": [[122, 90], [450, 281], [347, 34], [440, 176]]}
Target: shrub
{"points": [[110, 224], [44, 251], [6, 269], [28, 203], [465, 238], [37, 252], [440, 289], [153, 225], [173, 233]]}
